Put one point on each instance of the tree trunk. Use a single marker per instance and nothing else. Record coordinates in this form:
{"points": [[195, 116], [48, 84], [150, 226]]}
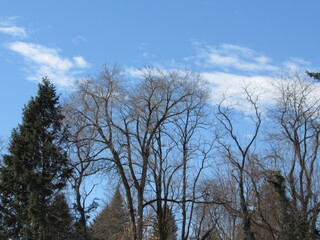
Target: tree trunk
{"points": [[248, 234]]}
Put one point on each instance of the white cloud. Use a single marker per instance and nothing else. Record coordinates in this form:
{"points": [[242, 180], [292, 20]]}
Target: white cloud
{"points": [[228, 57], [229, 68], [46, 61], [14, 31], [80, 62], [144, 51], [231, 87], [79, 39], [43, 61], [7, 26], [295, 64]]}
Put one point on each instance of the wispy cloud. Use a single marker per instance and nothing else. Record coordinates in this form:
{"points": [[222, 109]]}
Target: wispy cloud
{"points": [[14, 31], [79, 39], [231, 88], [229, 57], [43, 61], [144, 51], [8, 26], [229, 68], [46, 61], [80, 62], [295, 64]]}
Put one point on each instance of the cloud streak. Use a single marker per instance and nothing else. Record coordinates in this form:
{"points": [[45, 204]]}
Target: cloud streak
{"points": [[44, 61], [229, 57], [14, 31], [8, 27], [79, 39], [229, 68], [231, 88]]}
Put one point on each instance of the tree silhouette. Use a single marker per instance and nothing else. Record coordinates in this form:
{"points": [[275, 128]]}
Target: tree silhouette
{"points": [[34, 169], [113, 221]]}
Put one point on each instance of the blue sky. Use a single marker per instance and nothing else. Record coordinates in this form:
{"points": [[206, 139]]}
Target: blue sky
{"points": [[226, 41]]}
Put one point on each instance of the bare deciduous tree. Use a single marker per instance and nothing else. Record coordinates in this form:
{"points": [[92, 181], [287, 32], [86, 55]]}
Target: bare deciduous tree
{"points": [[126, 120], [237, 152], [86, 157], [297, 128]]}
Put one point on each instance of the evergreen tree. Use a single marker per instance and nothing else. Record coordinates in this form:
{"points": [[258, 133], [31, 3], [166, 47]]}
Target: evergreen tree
{"points": [[112, 222], [314, 75], [290, 227], [169, 228], [61, 226], [35, 168]]}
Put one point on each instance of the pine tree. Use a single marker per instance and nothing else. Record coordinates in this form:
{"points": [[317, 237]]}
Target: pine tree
{"points": [[61, 226], [314, 75], [112, 222], [168, 229], [35, 168], [172, 227], [289, 228]]}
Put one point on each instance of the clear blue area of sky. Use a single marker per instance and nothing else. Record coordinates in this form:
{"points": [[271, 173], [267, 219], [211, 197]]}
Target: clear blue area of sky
{"points": [[135, 33]]}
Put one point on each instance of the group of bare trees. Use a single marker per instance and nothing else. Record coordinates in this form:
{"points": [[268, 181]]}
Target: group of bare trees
{"points": [[223, 173]]}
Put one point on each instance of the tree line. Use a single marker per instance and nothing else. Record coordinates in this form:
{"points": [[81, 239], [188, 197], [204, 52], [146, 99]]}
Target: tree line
{"points": [[187, 168]]}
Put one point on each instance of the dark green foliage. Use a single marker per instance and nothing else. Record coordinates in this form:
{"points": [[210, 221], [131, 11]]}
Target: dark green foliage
{"points": [[171, 226], [314, 75], [286, 217], [81, 229], [168, 227], [293, 224], [35, 168], [112, 222], [61, 220]]}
